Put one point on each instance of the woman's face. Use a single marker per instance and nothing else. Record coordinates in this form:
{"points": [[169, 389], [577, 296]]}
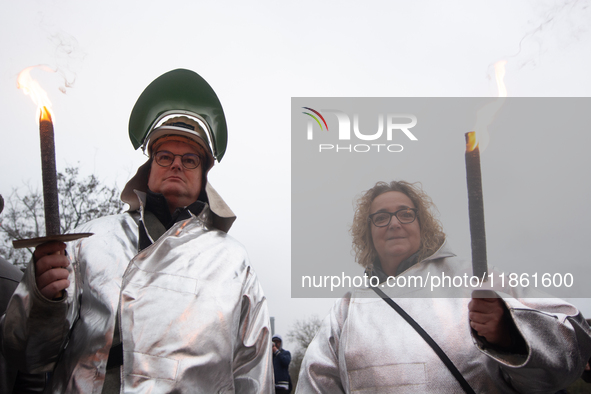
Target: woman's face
{"points": [[395, 242]]}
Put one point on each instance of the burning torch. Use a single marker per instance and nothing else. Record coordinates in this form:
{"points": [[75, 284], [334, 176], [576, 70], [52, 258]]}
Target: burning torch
{"points": [[475, 207], [474, 177], [49, 174]]}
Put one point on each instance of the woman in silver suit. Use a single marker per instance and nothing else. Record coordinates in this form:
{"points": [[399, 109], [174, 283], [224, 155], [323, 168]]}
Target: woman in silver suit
{"points": [[504, 344]]}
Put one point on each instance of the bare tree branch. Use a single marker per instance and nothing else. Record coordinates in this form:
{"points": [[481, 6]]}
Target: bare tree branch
{"points": [[302, 334], [80, 200]]}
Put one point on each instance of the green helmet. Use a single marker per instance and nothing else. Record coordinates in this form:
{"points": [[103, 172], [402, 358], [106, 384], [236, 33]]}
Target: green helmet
{"points": [[179, 92]]}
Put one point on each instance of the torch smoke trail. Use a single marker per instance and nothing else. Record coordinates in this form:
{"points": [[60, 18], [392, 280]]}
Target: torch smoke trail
{"points": [[68, 58], [486, 114], [546, 28]]}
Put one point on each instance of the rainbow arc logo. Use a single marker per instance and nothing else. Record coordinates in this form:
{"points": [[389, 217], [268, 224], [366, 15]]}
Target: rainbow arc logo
{"points": [[315, 118]]}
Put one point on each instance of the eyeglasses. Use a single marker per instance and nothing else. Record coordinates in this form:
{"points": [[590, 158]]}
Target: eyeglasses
{"points": [[165, 158], [404, 215]]}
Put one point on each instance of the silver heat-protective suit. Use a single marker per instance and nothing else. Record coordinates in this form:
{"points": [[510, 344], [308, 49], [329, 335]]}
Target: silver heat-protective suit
{"points": [[193, 317], [364, 346]]}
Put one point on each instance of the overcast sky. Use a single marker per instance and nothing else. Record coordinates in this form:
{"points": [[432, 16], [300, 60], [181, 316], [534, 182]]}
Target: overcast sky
{"points": [[256, 56]]}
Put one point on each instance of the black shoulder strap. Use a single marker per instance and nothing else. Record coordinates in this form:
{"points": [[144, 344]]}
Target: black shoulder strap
{"points": [[452, 368]]}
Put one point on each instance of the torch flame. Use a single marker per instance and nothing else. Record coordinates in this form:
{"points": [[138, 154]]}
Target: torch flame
{"points": [[500, 74], [45, 115], [486, 114], [32, 88], [471, 141]]}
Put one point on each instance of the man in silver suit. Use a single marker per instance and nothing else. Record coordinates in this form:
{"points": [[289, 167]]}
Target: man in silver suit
{"points": [[160, 298]]}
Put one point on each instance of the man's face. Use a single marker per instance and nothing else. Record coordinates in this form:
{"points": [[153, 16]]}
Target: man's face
{"points": [[179, 185]]}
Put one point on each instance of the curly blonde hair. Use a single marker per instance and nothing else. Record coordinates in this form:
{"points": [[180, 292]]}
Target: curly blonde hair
{"points": [[432, 235]]}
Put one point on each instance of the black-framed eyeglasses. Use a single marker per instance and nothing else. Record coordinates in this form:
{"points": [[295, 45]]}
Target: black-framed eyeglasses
{"points": [[165, 158], [404, 215]]}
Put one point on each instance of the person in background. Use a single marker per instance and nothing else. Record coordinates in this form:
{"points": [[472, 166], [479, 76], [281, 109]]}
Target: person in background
{"points": [[11, 379], [587, 372], [281, 360]]}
